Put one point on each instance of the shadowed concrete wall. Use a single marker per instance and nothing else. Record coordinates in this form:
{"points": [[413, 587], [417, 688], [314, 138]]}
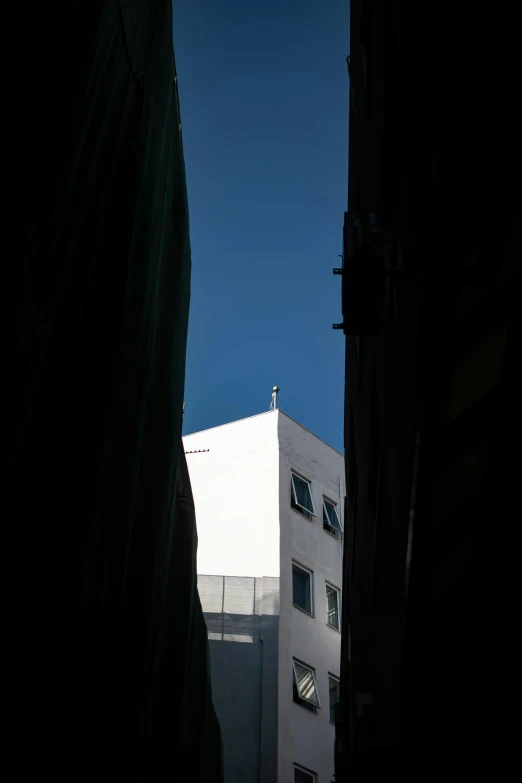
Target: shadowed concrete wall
{"points": [[104, 623], [242, 616]]}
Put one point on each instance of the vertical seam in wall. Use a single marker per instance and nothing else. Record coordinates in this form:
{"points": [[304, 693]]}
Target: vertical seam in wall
{"points": [[375, 529], [260, 778], [254, 624], [223, 612]]}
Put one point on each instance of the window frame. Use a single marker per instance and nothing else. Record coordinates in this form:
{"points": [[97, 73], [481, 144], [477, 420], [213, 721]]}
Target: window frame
{"points": [[328, 584], [331, 529], [338, 681], [307, 703], [293, 495], [300, 768], [310, 573]]}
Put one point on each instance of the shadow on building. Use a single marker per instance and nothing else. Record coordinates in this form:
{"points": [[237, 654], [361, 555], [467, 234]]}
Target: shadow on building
{"points": [[105, 646], [431, 289], [242, 617]]}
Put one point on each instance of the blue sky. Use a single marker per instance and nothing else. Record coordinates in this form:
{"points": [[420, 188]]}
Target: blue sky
{"points": [[264, 105]]}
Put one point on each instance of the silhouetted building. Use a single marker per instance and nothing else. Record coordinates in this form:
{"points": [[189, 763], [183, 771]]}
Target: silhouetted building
{"points": [[105, 648], [430, 290]]}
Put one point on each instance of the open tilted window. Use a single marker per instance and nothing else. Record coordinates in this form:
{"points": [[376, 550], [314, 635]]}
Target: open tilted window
{"points": [[305, 687], [302, 775], [331, 521], [302, 496]]}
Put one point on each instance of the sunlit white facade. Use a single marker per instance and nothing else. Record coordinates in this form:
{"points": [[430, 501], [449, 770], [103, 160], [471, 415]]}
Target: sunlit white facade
{"points": [[269, 499]]}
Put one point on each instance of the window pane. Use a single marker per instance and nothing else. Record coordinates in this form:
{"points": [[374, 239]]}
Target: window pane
{"points": [[302, 703], [300, 776], [334, 697], [331, 515], [302, 493], [332, 607], [306, 683], [301, 587]]}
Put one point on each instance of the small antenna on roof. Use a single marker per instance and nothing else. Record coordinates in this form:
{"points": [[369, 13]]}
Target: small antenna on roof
{"points": [[273, 404]]}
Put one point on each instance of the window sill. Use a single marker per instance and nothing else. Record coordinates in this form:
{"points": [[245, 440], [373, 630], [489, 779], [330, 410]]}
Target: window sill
{"points": [[309, 614], [338, 536], [333, 628], [302, 514], [310, 708]]}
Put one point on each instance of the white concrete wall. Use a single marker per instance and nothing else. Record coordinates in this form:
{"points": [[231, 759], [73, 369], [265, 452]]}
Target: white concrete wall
{"points": [[236, 494], [246, 527], [305, 738]]}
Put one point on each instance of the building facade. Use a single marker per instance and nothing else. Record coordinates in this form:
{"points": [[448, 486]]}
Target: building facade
{"points": [[106, 636], [269, 499], [430, 299]]}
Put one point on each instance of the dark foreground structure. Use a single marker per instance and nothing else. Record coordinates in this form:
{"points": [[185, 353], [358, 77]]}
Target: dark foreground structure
{"points": [[106, 670], [431, 314]]}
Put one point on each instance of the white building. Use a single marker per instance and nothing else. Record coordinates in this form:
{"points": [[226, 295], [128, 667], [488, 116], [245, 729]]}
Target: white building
{"points": [[269, 499]]}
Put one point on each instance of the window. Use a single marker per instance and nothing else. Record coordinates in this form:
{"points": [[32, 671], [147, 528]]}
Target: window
{"points": [[332, 606], [331, 521], [302, 496], [303, 775], [305, 688], [334, 688], [302, 588]]}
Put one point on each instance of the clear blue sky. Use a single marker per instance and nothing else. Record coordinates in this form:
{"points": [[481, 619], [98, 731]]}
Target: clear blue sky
{"points": [[264, 106]]}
